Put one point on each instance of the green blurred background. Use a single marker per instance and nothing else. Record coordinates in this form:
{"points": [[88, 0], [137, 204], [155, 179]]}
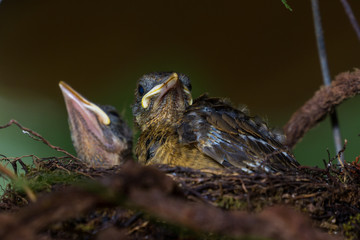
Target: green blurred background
{"points": [[256, 53]]}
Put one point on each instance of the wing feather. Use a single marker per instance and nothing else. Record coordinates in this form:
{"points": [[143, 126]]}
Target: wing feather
{"points": [[231, 137]]}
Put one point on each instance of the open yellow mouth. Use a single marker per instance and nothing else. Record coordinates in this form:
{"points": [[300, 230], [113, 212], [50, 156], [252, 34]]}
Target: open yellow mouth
{"points": [[83, 102], [162, 89]]}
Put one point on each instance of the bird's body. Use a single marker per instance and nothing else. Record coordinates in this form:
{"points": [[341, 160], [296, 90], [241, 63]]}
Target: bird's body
{"points": [[100, 136], [208, 133], [162, 146]]}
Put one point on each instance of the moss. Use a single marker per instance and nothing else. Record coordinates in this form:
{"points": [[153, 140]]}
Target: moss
{"points": [[171, 231], [352, 227], [232, 203], [44, 180]]}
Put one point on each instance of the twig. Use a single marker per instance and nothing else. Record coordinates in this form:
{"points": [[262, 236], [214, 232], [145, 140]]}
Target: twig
{"points": [[13, 177], [352, 18], [14, 160], [34, 135], [325, 72]]}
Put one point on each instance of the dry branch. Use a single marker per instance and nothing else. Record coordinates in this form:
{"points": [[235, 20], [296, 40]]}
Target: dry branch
{"points": [[345, 85], [37, 137]]}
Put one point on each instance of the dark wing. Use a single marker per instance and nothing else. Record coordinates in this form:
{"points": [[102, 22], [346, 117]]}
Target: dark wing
{"points": [[232, 138]]}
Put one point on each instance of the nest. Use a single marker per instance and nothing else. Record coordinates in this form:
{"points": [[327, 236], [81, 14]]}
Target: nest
{"points": [[163, 202]]}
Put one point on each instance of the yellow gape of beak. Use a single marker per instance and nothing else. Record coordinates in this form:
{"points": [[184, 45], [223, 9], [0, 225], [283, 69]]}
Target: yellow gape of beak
{"points": [[162, 89], [76, 97]]}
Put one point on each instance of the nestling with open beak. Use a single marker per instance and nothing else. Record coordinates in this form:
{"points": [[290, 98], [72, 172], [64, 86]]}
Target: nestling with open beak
{"points": [[100, 136], [209, 133]]}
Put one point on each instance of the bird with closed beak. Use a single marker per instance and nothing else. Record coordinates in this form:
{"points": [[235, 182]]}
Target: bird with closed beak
{"points": [[100, 136], [206, 133]]}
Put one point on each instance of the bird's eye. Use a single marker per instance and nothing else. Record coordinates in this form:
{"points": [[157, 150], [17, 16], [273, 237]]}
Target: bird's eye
{"points": [[141, 90], [114, 113], [189, 87]]}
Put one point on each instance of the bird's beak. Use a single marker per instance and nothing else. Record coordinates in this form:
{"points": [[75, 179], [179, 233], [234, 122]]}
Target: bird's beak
{"points": [[161, 89], [82, 104], [81, 111]]}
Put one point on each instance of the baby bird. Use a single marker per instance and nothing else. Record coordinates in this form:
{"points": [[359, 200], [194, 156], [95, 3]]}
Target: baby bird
{"points": [[209, 133], [100, 136]]}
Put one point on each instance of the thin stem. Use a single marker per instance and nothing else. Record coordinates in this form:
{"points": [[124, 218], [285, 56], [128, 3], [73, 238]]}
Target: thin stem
{"points": [[351, 16], [326, 73], [37, 137]]}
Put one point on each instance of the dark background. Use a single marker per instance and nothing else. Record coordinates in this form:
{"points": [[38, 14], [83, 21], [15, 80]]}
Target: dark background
{"points": [[256, 53]]}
